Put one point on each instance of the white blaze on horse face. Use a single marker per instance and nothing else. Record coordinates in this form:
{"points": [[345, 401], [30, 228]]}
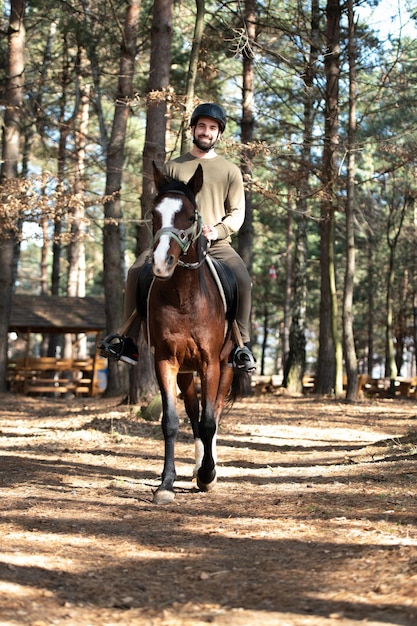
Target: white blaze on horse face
{"points": [[167, 210]]}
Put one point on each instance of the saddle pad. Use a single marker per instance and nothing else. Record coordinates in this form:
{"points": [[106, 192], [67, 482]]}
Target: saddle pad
{"points": [[226, 282], [223, 277]]}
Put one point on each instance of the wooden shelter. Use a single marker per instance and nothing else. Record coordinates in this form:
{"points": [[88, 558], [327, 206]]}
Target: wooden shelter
{"points": [[49, 315]]}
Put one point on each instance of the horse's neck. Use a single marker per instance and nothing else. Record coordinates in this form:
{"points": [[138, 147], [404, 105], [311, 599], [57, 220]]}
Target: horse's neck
{"points": [[186, 285]]}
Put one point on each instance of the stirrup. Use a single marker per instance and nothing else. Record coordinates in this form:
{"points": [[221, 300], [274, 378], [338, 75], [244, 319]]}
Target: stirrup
{"points": [[112, 350], [243, 359]]}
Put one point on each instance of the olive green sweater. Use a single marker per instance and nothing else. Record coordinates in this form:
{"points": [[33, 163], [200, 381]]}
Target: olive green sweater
{"points": [[221, 200]]}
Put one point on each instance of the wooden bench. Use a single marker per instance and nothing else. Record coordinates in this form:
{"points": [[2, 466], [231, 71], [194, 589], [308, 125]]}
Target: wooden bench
{"points": [[265, 384], [48, 375], [381, 387], [309, 383], [367, 386], [412, 390]]}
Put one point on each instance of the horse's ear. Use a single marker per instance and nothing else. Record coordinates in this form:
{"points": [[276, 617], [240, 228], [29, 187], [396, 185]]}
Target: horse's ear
{"points": [[196, 181], [159, 177]]}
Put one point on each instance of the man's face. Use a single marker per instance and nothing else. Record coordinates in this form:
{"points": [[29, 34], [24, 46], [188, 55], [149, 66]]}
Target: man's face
{"points": [[205, 133]]}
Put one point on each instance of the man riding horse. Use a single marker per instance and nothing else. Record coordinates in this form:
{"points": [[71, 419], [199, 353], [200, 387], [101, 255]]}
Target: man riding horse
{"points": [[222, 206]]}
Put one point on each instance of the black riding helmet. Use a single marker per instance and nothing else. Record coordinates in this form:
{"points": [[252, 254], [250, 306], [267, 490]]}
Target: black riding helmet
{"points": [[212, 110]]}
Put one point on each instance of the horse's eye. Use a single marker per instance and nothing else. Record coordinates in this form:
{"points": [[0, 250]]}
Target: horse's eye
{"points": [[191, 219]]}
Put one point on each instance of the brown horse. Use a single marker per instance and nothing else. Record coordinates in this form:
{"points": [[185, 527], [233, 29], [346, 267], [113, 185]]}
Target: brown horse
{"points": [[188, 330]]}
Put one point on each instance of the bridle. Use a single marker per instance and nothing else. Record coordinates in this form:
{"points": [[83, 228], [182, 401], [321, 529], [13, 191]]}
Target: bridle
{"points": [[184, 237]]}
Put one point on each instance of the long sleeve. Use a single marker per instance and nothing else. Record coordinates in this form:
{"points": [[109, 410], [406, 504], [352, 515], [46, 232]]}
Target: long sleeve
{"points": [[222, 199]]}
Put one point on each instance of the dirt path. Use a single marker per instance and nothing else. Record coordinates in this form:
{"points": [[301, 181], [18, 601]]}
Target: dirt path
{"points": [[312, 522]]}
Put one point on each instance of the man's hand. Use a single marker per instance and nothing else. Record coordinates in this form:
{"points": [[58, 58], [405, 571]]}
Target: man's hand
{"points": [[210, 233]]}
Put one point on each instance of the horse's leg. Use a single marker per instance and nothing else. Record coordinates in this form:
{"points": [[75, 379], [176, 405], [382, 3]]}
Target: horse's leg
{"points": [[192, 407], [170, 425], [206, 475], [226, 378]]}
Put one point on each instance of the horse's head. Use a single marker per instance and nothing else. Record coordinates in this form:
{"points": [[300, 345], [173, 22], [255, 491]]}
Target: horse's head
{"points": [[175, 220]]}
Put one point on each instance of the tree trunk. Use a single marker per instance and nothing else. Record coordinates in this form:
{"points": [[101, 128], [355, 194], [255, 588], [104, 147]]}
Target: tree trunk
{"points": [[415, 288], [245, 236], [91, 43], [370, 269], [401, 325], [159, 74], [192, 73], [351, 363], [289, 257], [265, 324], [9, 215], [295, 361], [390, 364], [143, 384], [113, 252], [60, 195], [329, 373], [393, 234], [64, 124], [76, 247]]}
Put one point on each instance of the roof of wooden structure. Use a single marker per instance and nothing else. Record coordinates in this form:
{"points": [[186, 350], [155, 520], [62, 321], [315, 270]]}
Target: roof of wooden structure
{"points": [[57, 314]]}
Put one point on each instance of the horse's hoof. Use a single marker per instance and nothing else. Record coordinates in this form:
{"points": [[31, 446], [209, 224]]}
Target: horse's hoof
{"points": [[206, 486], [163, 496]]}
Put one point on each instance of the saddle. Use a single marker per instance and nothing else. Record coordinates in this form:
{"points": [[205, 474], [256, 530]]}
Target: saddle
{"points": [[223, 276]]}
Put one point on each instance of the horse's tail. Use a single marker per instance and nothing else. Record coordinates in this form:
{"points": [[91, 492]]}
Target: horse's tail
{"points": [[240, 387]]}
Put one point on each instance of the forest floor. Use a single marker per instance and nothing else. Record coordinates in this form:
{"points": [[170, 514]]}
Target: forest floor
{"points": [[313, 520]]}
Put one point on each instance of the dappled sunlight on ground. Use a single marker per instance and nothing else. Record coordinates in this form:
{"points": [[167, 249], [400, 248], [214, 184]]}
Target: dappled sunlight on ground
{"points": [[313, 520]]}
